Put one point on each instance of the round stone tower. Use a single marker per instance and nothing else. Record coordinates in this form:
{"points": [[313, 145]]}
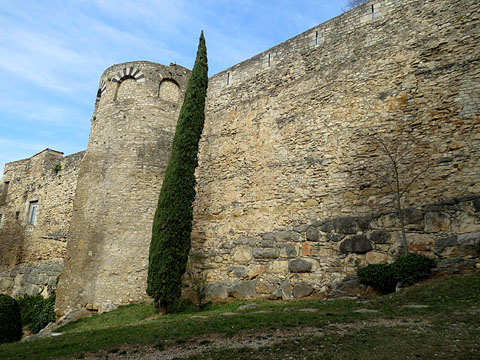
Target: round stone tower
{"points": [[120, 177]]}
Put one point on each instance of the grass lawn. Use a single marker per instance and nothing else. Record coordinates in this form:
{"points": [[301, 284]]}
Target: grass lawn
{"points": [[445, 326]]}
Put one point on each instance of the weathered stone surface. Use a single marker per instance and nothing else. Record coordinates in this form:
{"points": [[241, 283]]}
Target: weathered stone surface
{"points": [[349, 287], [217, 290], [376, 257], [290, 250], [268, 253], [312, 234], [413, 216], [380, 236], [436, 221], [335, 237], [243, 254], [302, 290], [238, 271], [476, 204], [300, 266], [459, 245], [327, 227], [356, 244], [454, 266], [345, 225], [242, 289]]}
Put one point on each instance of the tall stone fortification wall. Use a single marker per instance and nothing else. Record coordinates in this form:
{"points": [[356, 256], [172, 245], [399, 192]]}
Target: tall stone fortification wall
{"points": [[32, 249], [286, 154], [118, 185]]}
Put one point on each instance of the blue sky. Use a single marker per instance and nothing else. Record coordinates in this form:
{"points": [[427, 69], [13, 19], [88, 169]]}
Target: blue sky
{"points": [[52, 53]]}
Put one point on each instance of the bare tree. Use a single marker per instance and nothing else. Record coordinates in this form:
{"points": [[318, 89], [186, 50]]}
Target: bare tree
{"points": [[354, 3], [399, 164]]}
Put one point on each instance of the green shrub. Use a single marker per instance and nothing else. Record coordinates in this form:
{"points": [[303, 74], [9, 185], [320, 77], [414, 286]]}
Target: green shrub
{"points": [[44, 314], [406, 269], [379, 276], [28, 305], [413, 268], [10, 320], [36, 311]]}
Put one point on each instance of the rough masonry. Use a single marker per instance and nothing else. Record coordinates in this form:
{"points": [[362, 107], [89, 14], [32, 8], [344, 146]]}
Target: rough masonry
{"points": [[289, 196]]}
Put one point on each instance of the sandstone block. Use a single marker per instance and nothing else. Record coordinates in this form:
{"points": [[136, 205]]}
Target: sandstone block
{"points": [[376, 257], [243, 254]]}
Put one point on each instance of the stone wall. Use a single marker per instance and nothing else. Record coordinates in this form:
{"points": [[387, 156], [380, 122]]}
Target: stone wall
{"points": [[30, 245], [291, 194], [288, 136], [118, 185]]}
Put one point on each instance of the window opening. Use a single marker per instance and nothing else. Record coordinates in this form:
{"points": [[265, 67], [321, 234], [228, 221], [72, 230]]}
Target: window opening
{"points": [[1, 218], [5, 190], [316, 37], [373, 13], [269, 60], [32, 213], [17, 214], [228, 78]]}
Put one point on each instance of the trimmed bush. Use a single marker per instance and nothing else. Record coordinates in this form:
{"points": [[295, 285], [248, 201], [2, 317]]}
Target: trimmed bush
{"points": [[406, 269], [10, 320]]}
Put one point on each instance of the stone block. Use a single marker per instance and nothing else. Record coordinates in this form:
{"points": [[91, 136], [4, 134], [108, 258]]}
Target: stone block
{"points": [[335, 237], [356, 244], [312, 234], [268, 253], [243, 254], [345, 225], [217, 290], [279, 266], [238, 271], [465, 245], [289, 251], [436, 221], [242, 289], [327, 227], [302, 290], [376, 257], [300, 266], [380, 236]]}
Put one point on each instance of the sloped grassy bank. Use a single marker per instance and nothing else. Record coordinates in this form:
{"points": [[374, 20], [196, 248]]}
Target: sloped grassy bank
{"points": [[435, 319]]}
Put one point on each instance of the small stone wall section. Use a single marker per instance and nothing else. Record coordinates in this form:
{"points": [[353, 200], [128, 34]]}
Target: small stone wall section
{"points": [[49, 179]]}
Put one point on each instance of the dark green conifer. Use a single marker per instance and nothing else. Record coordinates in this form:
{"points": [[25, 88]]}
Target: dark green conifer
{"points": [[172, 224]]}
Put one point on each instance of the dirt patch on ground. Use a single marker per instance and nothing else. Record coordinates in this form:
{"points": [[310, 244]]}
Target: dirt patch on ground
{"points": [[252, 340]]}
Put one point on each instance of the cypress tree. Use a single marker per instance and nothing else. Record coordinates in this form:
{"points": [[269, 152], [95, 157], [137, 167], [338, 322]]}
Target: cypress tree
{"points": [[172, 224]]}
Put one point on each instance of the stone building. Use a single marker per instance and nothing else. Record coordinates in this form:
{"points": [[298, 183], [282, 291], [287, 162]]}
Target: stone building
{"points": [[290, 193]]}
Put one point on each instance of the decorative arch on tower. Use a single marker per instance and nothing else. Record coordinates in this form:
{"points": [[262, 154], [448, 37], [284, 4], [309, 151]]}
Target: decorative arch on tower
{"points": [[101, 89], [129, 72]]}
